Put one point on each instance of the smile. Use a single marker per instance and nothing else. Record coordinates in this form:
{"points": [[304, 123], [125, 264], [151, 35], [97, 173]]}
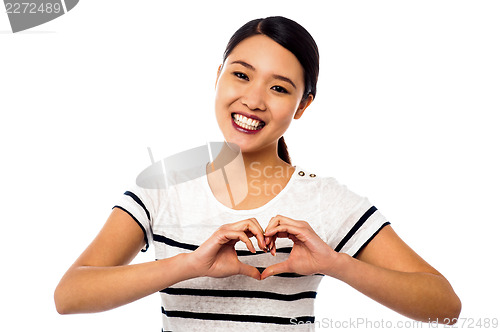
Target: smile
{"points": [[249, 125]]}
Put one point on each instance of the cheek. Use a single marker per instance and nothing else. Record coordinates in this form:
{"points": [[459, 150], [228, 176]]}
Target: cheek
{"points": [[225, 93], [283, 110]]}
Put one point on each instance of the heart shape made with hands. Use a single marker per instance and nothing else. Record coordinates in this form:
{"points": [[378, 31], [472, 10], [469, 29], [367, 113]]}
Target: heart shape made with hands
{"points": [[272, 248], [309, 253]]}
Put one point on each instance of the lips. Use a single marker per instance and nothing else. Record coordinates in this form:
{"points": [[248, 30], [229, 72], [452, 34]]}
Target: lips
{"points": [[246, 123]]}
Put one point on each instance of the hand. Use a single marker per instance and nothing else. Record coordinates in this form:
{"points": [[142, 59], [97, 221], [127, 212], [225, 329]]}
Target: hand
{"points": [[309, 255], [216, 257]]}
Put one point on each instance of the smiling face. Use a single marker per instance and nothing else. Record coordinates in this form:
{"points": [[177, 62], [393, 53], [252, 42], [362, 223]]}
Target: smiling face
{"points": [[260, 80]]}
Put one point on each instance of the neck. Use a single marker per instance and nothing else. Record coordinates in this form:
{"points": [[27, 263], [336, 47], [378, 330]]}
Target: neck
{"points": [[243, 176], [234, 161]]}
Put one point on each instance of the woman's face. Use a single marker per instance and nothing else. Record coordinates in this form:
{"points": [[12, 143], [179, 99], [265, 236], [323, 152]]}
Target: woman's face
{"points": [[259, 78]]}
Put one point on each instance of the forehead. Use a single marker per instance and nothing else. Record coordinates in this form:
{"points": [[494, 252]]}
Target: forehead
{"points": [[267, 56]]}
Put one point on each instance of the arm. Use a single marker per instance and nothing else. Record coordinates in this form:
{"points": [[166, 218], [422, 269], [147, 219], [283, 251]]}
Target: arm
{"points": [[391, 273], [100, 279], [386, 270]]}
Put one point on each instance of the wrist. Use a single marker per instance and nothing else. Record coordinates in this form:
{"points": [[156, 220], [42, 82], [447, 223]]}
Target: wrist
{"points": [[338, 265], [190, 264], [182, 265]]}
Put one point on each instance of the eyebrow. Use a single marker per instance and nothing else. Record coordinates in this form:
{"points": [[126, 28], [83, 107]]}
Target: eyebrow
{"points": [[279, 77]]}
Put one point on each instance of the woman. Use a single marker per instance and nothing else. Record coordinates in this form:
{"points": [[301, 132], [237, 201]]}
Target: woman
{"points": [[268, 77]]}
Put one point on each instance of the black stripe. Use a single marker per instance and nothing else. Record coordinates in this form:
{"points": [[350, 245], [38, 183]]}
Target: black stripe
{"points": [[285, 250], [138, 201], [284, 275], [371, 238], [138, 223], [239, 293], [287, 274], [192, 247], [239, 318], [173, 243], [355, 228]]}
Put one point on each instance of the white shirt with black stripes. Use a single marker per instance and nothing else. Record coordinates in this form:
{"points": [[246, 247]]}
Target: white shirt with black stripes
{"points": [[180, 218]]}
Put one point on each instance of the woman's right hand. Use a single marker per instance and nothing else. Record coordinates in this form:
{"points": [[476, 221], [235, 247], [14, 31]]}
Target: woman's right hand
{"points": [[216, 257]]}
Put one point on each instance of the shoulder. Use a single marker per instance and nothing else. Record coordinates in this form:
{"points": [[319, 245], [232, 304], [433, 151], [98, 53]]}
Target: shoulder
{"points": [[305, 175], [327, 186]]}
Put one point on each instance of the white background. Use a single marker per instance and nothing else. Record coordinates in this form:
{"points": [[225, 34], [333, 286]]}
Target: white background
{"points": [[405, 115]]}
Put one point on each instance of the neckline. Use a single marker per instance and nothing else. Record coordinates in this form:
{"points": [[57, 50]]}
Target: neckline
{"points": [[209, 192]]}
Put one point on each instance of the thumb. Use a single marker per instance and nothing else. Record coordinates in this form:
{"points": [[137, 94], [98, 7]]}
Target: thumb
{"points": [[274, 269], [249, 270]]}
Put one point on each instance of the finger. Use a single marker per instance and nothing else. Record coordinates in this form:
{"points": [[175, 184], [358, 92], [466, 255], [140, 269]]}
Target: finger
{"points": [[290, 221], [293, 238], [253, 220], [282, 228], [283, 231], [232, 235], [259, 233], [269, 243], [282, 220], [252, 228], [273, 222], [274, 269], [271, 240], [250, 271], [273, 245]]}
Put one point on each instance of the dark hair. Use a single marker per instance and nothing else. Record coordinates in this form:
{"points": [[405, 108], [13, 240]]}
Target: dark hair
{"points": [[294, 38]]}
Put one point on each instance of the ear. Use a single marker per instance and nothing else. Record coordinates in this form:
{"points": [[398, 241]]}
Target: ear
{"points": [[218, 75], [303, 105]]}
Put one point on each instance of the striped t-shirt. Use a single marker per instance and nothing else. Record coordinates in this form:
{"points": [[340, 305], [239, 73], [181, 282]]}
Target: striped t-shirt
{"points": [[180, 218]]}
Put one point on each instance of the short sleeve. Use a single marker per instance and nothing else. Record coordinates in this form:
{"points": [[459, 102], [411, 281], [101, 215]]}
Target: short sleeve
{"points": [[141, 205], [350, 221]]}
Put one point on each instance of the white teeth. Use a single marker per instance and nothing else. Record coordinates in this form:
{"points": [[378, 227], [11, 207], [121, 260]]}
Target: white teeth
{"points": [[245, 122]]}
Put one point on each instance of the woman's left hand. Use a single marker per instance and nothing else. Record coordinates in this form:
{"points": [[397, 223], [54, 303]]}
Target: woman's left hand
{"points": [[309, 255]]}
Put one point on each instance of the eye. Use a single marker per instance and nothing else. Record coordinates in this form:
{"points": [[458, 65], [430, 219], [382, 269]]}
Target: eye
{"points": [[240, 75], [279, 89]]}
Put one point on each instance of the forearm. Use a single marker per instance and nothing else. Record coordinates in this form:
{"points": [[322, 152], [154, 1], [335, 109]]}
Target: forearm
{"points": [[420, 296], [86, 289]]}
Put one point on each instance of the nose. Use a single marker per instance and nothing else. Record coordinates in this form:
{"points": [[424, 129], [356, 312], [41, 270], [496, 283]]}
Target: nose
{"points": [[254, 97]]}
